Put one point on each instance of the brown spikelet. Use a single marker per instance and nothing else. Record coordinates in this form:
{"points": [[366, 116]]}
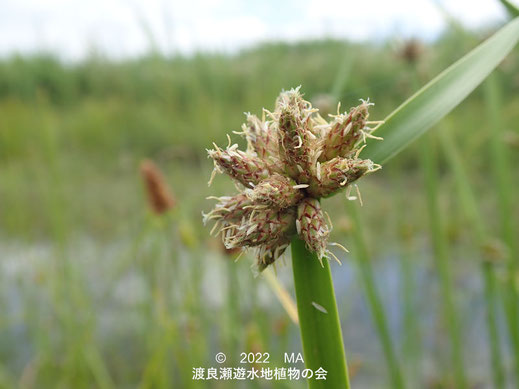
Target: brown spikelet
{"points": [[160, 198]]}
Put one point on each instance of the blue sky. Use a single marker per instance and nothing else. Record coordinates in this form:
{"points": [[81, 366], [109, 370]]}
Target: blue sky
{"points": [[120, 28]]}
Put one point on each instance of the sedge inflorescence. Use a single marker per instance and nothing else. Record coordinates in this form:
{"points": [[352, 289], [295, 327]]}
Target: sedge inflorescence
{"points": [[294, 157]]}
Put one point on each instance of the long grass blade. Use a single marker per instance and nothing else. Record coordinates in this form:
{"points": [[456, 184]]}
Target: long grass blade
{"points": [[379, 316], [441, 95], [441, 255], [412, 339], [469, 206], [511, 8], [501, 170]]}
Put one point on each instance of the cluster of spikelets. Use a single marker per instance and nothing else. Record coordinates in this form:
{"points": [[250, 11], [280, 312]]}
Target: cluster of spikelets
{"points": [[294, 157]]}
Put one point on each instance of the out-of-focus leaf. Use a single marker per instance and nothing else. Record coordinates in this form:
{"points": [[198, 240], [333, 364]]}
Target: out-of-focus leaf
{"points": [[511, 8], [441, 95]]}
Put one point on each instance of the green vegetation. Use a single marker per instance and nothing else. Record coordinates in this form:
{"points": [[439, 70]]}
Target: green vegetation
{"points": [[318, 315], [97, 292]]}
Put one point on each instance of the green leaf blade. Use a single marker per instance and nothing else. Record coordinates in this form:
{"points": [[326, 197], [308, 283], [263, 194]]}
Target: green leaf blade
{"points": [[441, 95], [511, 8], [318, 318]]}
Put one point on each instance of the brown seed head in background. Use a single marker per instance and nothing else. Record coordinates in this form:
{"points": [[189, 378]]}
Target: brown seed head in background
{"points": [[411, 51], [160, 198]]}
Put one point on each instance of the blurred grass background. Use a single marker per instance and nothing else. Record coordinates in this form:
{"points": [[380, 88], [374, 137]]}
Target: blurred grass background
{"points": [[96, 291]]}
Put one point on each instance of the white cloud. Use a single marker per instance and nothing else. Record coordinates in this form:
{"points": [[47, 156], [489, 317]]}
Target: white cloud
{"points": [[118, 27]]}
